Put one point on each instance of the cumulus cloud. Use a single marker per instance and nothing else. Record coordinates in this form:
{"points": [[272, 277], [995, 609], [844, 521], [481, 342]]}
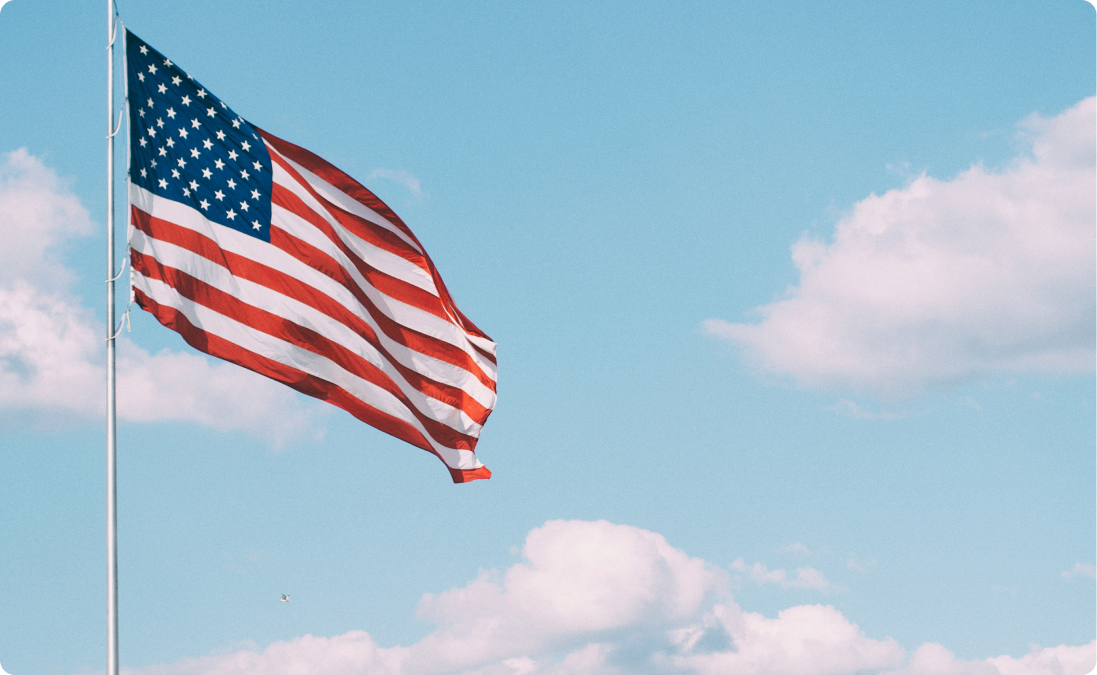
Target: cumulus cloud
{"points": [[945, 281], [596, 598], [52, 358], [933, 659], [398, 176]]}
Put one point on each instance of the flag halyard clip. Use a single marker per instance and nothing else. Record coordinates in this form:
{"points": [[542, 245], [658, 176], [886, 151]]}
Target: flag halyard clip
{"points": [[114, 29], [121, 271], [118, 126], [125, 321]]}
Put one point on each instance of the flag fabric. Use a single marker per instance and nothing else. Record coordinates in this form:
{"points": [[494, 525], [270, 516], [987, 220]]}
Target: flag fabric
{"points": [[259, 252]]}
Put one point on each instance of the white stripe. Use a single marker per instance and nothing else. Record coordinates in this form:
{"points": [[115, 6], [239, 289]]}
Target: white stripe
{"points": [[308, 362], [343, 200], [378, 258], [305, 316], [249, 247]]}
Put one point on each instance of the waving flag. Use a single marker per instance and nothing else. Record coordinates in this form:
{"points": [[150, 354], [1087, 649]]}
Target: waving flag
{"points": [[259, 252]]}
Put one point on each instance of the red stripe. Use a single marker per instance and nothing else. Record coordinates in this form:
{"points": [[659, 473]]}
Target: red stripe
{"points": [[391, 286], [338, 180], [362, 195], [230, 306], [276, 280], [468, 475], [305, 383], [280, 282]]}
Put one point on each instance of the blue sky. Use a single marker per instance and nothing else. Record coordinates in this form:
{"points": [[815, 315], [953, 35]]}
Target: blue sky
{"points": [[793, 286]]}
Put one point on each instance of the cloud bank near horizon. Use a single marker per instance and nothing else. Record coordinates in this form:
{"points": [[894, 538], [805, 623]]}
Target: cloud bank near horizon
{"points": [[52, 358], [942, 282], [596, 598]]}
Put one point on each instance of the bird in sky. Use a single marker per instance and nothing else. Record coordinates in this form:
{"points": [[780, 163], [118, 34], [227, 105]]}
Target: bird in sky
{"points": [[285, 598]]}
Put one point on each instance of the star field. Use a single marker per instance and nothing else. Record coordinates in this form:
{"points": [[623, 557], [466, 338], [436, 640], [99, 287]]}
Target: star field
{"points": [[188, 146]]}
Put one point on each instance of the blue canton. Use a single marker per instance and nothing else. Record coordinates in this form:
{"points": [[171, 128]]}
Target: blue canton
{"points": [[188, 146]]}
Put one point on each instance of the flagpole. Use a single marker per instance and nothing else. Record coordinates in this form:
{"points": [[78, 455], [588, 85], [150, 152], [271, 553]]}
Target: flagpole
{"points": [[112, 439]]}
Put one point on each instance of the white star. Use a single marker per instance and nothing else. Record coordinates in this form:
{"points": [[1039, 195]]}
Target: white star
{"points": [[236, 124], [255, 194], [141, 112], [186, 192], [167, 63], [220, 135], [243, 206], [144, 49], [163, 151], [219, 164], [257, 165], [201, 93], [244, 174], [194, 153], [141, 76], [232, 184], [253, 135], [182, 163], [255, 224], [204, 204], [206, 173], [207, 144], [176, 80], [152, 68], [162, 88], [246, 146], [232, 154], [143, 142], [171, 142], [186, 100], [163, 183], [152, 163], [171, 113], [231, 214], [223, 105], [195, 123], [144, 174], [150, 102], [152, 132], [194, 185], [174, 173], [220, 195], [183, 132], [160, 122], [210, 112]]}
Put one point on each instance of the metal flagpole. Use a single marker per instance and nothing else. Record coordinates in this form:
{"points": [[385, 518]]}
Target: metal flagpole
{"points": [[112, 440]]}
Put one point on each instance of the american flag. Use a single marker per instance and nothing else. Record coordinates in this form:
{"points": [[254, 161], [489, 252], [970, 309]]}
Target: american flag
{"points": [[259, 252]]}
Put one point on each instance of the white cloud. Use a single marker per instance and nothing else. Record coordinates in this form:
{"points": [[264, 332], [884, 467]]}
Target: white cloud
{"points": [[933, 659], [38, 213], [941, 282], [398, 176], [1080, 570], [805, 577], [796, 548], [595, 598], [52, 356], [859, 565], [580, 581]]}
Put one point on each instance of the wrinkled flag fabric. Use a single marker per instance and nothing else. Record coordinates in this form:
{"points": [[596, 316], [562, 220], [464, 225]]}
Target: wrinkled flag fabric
{"points": [[259, 252]]}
